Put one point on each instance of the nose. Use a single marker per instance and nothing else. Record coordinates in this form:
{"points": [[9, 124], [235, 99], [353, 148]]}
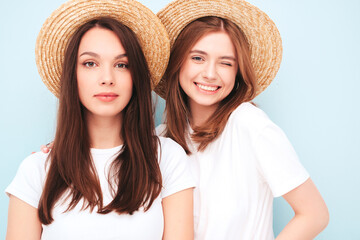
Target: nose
{"points": [[209, 71], [107, 77]]}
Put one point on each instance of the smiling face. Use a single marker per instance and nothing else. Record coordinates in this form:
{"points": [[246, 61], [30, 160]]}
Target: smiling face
{"points": [[208, 73], [104, 80]]}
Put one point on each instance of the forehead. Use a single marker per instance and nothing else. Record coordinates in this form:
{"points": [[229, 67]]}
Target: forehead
{"points": [[100, 40], [215, 42]]}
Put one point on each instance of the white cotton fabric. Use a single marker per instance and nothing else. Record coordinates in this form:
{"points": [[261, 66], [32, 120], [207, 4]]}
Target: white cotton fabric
{"points": [[82, 224], [239, 174]]}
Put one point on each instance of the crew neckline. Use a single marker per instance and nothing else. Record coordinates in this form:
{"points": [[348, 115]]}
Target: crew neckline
{"points": [[105, 150]]}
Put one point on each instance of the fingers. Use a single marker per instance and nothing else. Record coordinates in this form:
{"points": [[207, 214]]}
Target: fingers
{"points": [[44, 148], [50, 145]]}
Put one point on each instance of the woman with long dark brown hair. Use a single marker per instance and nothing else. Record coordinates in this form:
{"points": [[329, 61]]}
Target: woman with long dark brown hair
{"points": [[108, 175], [223, 54]]}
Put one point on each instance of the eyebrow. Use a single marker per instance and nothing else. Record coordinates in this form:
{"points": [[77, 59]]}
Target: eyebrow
{"points": [[222, 57], [97, 55]]}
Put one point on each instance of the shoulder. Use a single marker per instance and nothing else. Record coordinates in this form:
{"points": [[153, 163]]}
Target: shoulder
{"points": [[276, 159], [28, 181], [247, 112], [175, 167], [33, 166], [249, 117], [171, 154], [170, 147], [34, 161]]}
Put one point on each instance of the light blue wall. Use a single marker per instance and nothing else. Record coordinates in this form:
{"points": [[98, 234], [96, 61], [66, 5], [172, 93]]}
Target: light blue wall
{"points": [[314, 98]]}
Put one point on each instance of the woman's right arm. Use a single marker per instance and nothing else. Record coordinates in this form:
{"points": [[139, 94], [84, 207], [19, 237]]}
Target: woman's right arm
{"points": [[23, 221]]}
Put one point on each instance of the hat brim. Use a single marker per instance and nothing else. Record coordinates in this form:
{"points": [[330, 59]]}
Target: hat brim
{"points": [[63, 22], [261, 32]]}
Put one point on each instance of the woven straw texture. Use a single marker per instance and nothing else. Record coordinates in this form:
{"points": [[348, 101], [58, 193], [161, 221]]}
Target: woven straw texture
{"points": [[263, 36], [63, 22]]}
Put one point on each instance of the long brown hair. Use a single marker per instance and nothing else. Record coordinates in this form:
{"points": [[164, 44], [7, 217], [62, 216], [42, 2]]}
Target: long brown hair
{"points": [[177, 108], [71, 171]]}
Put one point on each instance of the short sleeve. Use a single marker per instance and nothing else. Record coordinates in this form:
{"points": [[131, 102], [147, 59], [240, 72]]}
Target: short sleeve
{"points": [[175, 168], [278, 161], [28, 182]]}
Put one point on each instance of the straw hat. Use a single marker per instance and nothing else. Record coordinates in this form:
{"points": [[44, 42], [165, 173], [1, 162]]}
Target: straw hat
{"points": [[263, 36], [64, 21]]}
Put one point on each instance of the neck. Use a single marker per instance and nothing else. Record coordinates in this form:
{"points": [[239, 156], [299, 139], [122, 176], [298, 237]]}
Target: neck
{"points": [[104, 132], [200, 114]]}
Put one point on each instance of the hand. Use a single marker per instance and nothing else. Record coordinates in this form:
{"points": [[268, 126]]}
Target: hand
{"points": [[46, 148]]}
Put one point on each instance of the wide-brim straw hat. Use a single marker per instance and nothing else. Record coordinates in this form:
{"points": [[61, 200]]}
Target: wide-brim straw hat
{"points": [[64, 21], [261, 33]]}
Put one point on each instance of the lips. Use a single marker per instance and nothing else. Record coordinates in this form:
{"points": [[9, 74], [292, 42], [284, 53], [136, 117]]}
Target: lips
{"points": [[106, 97]]}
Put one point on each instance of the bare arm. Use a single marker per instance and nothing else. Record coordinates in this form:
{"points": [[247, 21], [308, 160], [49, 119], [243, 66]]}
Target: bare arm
{"points": [[178, 216], [311, 213], [23, 221]]}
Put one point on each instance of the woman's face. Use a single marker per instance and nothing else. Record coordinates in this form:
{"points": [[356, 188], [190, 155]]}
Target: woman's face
{"points": [[208, 73], [104, 80]]}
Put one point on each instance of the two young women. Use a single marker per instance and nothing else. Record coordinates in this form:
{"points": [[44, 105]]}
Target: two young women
{"points": [[223, 54], [108, 175]]}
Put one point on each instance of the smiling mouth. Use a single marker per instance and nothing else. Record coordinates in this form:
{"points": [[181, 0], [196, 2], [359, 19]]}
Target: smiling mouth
{"points": [[207, 88]]}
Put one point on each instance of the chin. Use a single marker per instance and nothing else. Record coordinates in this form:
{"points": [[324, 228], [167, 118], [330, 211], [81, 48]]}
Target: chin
{"points": [[106, 114]]}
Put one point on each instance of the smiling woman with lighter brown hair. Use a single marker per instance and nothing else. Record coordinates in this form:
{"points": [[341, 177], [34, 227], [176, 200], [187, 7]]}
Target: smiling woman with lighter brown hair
{"points": [[224, 54]]}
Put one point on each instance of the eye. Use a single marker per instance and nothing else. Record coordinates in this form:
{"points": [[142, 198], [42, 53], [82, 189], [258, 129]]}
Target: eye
{"points": [[197, 59], [89, 64], [227, 64], [122, 65]]}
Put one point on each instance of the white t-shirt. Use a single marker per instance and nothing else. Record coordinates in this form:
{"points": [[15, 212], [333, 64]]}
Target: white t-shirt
{"points": [[82, 224], [239, 174]]}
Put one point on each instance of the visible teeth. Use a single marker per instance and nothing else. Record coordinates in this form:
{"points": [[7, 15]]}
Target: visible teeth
{"points": [[207, 88]]}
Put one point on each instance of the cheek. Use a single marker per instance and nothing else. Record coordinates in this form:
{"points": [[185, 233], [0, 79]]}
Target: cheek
{"points": [[184, 82], [187, 73], [182, 76], [181, 79], [129, 89], [84, 86], [125, 84], [227, 78], [231, 81]]}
